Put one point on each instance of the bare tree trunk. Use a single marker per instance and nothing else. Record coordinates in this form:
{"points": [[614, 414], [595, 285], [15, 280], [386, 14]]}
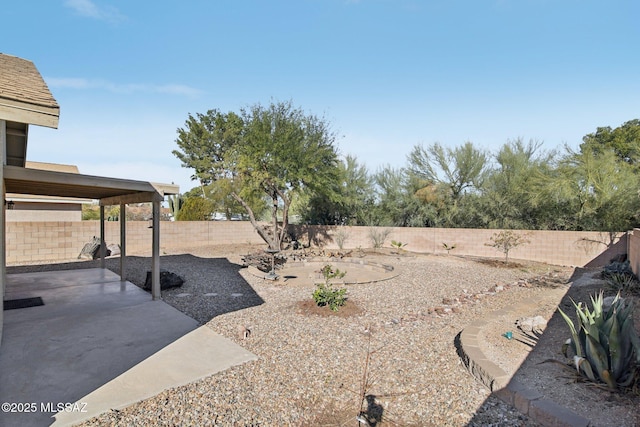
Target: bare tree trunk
{"points": [[274, 218], [285, 215], [252, 218]]}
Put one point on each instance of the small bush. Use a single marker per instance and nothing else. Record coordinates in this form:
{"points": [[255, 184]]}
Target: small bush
{"points": [[325, 294], [617, 269], [341, 237], [378, 237], [448, 248], [398, 245], [622, 282], [506, 240], [620, 277]]}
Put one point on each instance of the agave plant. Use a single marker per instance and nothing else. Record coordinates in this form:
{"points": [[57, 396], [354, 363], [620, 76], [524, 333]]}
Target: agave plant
{"points": [[398, 245], [605, 343]]}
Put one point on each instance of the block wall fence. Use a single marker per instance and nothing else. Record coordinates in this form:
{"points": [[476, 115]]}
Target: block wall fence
{"points": [[33, 242], [633, 250]]}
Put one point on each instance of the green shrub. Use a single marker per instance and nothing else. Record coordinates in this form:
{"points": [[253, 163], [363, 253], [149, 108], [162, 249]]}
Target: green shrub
{"points": [[195, 209], [617, 269], [325, 294], [605, 343], [448, 248], [398, 245], [620, 277], [622, 282]]}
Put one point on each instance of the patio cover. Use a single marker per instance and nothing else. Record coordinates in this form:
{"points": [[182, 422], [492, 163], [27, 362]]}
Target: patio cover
{"points": [[108, 191], [25, 100]]}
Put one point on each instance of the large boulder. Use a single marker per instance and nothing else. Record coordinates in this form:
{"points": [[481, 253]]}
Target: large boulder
{"points": [[113, 249], [168, 280], [92, 250]]}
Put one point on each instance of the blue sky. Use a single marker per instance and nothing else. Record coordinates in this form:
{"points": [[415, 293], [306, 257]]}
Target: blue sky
{"points": [[388, 74]]}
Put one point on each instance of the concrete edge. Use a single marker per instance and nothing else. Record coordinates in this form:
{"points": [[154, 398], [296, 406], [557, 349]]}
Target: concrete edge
{"points": [[198, 354], [525, 400]]}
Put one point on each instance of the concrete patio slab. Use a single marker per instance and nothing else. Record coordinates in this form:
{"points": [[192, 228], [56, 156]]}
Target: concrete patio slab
{"points": [[99, 342]]}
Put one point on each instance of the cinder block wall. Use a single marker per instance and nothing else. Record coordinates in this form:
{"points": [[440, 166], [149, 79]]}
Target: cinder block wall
{"points": [[48, 241], [572, 248], [32, 242], [634, 250], [42, 211]]}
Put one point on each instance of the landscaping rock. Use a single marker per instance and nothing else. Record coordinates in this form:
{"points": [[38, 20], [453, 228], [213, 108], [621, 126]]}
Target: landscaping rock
{"points": [[168, 280], [535, 324]]}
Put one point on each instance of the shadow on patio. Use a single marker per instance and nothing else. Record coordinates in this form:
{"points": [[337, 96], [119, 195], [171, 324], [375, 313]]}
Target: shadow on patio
{"points": [[93, 328]]}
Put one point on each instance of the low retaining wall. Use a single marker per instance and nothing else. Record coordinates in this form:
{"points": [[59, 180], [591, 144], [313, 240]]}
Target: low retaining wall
{"points": [[32, 242]]}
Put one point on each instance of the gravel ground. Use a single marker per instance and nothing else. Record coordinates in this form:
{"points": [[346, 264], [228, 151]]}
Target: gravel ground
{"points": [[396, 360]]}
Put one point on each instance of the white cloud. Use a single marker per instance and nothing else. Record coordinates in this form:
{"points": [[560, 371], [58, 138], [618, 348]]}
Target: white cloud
{"points": [[81, 83], [177, 89], [89, 9], [68, 83]]}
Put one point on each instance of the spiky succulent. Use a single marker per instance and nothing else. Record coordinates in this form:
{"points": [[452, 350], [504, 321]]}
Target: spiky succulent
{"points": [[605, 343]]}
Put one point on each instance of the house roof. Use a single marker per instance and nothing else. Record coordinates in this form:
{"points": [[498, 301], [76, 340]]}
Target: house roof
{"points": [[25, 99], [24, 95]]}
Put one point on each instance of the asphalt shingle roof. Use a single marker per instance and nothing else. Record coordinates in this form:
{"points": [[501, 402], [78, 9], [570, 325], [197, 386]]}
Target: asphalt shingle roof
{"points": [[21, 81]]}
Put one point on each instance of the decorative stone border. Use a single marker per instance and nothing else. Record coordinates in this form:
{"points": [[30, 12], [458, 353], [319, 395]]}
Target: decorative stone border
{"points": [[357, 263], [525, 400], [366, 264]]}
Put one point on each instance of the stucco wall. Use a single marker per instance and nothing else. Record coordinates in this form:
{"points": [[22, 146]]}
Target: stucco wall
{"points": [[32, 242]]}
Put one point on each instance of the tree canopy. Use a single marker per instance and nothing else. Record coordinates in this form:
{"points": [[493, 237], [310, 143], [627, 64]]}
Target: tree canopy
{"points": [[277, 158], [623, 140], [458, 169], [276, 151]]}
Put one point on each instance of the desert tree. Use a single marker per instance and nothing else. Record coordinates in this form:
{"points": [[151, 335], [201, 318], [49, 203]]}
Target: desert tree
{"points": [[457, 169], [276, 151], [444, 179], [623, 140], [509, 197], [598, 190], [348, 202]]}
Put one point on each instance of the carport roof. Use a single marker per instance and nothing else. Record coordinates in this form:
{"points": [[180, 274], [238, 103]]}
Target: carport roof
{"points": [[110, 191]]}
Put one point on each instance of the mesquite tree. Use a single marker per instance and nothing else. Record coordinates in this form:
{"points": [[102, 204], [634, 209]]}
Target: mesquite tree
{"points": [[276, 151]]}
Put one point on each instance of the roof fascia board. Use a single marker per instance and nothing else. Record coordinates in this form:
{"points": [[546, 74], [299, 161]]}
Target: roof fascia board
{"points": [[131, 198], [26, 113], [166, 189]]}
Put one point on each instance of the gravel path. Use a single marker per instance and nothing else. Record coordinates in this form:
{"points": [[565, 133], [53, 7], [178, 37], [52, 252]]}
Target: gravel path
{"points": [[396, 360]]}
